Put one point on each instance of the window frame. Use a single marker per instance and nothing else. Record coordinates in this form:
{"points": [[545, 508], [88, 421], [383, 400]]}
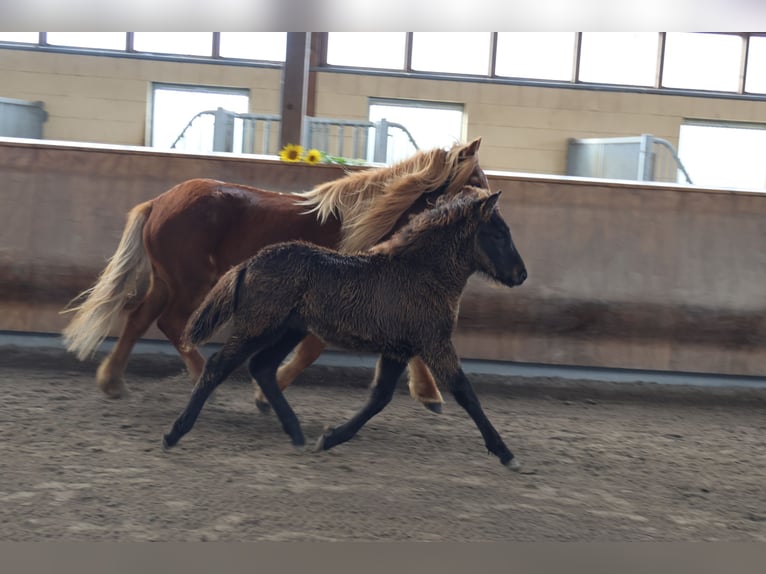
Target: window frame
{"points": [[194, 88], [725, 124], [423, 104]]}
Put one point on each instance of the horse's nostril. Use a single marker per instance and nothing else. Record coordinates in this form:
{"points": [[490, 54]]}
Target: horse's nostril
{"points": [[523, 275]]}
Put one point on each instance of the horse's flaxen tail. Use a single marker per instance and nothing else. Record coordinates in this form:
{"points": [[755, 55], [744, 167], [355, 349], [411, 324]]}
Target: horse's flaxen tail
{"points": [[216, 309], [97, 309]]}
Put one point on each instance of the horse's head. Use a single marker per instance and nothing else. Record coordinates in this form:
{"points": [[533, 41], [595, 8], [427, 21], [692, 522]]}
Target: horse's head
{"points": [[463, 160], [496, 255]]}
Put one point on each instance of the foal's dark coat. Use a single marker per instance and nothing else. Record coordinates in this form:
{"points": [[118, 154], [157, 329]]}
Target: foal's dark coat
{"points": [[399, 300]]}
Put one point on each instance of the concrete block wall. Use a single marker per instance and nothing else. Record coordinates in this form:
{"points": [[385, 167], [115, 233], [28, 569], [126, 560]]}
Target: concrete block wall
{"points": [[103, 99], [525, 128], [100, 99]]}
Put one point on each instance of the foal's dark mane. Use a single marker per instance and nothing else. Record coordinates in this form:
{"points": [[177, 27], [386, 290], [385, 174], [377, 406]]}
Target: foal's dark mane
{"points": [[420, 227]]}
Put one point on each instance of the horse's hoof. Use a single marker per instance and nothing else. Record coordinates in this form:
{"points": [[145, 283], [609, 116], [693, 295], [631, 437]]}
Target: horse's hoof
{"points": [[319, 446], [263, 406], [111, 384], [434, 407], [513, 464], [168, 442], [113, 389]]}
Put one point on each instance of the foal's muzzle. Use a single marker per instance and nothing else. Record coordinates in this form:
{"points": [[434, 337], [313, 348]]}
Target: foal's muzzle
{"points": [[519, 275]]}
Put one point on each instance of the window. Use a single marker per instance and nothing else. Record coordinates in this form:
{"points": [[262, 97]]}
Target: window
{"points": [[24, 37], [185, 43], [268, 46], [756, 65], [431, 124], [540, 55], [451, 52], [366, 49], [702, 61], [173, 107], [724, 154], [619, 58], [98, 40]]}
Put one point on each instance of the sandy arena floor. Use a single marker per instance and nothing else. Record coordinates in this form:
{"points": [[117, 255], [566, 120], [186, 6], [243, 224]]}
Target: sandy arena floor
{"points": [[597, 466]]}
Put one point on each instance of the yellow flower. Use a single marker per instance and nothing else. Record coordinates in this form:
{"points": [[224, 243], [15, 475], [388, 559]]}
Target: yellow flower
{"points": [[313, 156], [291, 152]]}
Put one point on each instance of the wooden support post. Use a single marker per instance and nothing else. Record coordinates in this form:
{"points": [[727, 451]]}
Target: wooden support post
{"points": [[294, 87]]}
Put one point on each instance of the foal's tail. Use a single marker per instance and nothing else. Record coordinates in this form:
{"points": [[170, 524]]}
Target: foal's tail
{"points": [[98, 308], [216, 309]]}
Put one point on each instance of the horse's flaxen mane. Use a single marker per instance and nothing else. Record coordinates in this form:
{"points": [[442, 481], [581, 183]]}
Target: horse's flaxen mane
{"points": [[368, 203], [446, 211]]}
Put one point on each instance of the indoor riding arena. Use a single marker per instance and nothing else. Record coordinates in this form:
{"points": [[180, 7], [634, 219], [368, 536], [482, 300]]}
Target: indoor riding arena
{"points": [[624, 368]]}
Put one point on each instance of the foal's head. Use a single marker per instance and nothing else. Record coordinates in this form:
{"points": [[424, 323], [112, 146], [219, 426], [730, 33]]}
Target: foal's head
{"points": [[470, 219], [495, 254]]}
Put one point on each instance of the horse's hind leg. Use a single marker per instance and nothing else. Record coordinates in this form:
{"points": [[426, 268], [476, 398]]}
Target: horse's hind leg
{"points": [[423, 386], [217, 368], [305, 354], [387, 373], [109, 376], [172, 323], [445, 364], [263, 369]]}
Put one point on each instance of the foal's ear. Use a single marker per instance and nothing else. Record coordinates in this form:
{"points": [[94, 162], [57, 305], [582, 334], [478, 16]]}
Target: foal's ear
{"points": [[488, 205], [471, 149]]}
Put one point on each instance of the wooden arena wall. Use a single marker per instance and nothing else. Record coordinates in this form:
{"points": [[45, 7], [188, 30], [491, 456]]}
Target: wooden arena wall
{"points": [[625, 275]]}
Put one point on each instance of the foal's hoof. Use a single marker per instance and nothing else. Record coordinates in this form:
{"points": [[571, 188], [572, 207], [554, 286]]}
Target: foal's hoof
{"points": [[321, 444], [434, 407], [513, 464], [168, 442], [263, 406]]}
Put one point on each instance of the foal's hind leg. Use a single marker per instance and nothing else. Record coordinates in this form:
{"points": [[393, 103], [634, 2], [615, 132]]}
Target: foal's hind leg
{"points": [[445, 364], [387, 373], [109, 376], [219, 366], [423, 386], [263, 369], [305, 354]]}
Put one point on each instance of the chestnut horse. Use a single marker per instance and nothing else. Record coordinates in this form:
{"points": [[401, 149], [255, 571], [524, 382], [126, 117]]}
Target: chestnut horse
{"points": [[398, 300], [176, 246]]}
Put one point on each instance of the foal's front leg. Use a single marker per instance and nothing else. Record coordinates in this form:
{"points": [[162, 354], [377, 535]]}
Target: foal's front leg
{"points": [[219, 366], [387, 373], [444, 363]]}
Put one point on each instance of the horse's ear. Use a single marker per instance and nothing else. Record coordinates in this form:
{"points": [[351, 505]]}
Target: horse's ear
{"points": [[488, 205], [471, 149]]}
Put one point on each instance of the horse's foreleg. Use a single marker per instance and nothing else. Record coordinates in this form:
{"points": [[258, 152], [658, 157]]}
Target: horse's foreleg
{"points": [[445, 364], [423, 386], [216, 369], [387, 373], [109, 376], [305, 354], [263, 369]]}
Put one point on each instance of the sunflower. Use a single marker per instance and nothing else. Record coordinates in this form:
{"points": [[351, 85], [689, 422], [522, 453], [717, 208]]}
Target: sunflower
{"points": [[291, 152], [313, 156]]}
